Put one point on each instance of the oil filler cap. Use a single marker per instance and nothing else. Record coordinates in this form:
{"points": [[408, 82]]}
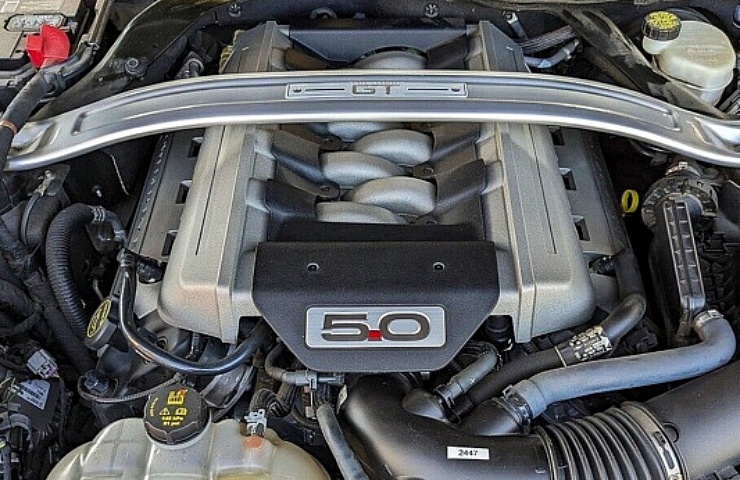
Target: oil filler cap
{"points": [[661, 26], [175, 414]]}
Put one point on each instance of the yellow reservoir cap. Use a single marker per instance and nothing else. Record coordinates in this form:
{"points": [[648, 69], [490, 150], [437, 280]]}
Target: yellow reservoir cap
{"points": [[661, 26]]}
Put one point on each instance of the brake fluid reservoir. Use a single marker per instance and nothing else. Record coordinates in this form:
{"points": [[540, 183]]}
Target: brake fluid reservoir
{"points": [[176, 440], [700, 56]]}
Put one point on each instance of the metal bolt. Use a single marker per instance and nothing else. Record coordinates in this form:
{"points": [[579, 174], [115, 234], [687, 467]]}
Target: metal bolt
{"points": [[323, 13], [95, 382], [431, 10], [134, 67]]}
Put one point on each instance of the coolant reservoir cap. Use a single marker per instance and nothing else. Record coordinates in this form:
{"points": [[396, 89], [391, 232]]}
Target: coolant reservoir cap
{"points": [[661, 26], [175, 414]]}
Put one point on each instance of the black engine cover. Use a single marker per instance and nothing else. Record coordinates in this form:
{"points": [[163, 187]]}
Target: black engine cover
{"points": [[375, 306]]}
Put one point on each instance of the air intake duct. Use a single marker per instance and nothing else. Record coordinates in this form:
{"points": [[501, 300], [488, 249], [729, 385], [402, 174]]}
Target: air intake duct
{"points": [[688, 433]]}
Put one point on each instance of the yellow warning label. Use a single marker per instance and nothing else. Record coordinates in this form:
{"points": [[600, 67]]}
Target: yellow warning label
{"points": [[176, 397], [182, 411], [99, 318], [170, 420]]}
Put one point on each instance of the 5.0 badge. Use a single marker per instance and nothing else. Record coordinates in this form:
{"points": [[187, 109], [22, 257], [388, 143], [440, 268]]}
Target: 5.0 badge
{"points": [[375, 327]]}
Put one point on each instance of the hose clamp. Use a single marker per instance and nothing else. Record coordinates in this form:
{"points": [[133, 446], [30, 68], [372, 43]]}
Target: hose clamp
{"points": [[255, 423], [99, 214], [126, 259], [10, 126], [590, 344], [517, 407], [670, 458], [707, 316]]}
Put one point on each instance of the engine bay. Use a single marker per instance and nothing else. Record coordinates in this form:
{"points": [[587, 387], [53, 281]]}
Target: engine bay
{"points": [[369, 240]]}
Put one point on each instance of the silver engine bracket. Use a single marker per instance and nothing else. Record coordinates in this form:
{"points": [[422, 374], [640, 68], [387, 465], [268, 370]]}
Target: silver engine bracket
{"points": [[413, 96]]}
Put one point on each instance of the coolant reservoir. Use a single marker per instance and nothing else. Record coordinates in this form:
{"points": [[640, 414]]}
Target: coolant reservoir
{"points": [[701, 56], [124, 451]]}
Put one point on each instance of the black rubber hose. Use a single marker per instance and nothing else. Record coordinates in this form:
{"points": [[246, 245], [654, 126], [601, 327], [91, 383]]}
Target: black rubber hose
{"points": [[343, 454], [463, 381], [259, 336], [18, 112], [76, 351], [547, 40], [271, 368], [564, 53], [716, 348], [614, 326], [84, 394], [58, 266], [272, 403], [627, 271], [23, 267], [495, 383], [624, 318]]}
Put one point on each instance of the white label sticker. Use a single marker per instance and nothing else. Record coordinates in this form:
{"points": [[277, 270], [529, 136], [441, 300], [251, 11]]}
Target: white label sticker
{"points": [[35, 392], [468, 453]]}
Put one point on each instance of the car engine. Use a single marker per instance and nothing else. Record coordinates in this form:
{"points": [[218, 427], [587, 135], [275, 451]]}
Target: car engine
{"points": [[446, 198], [369, 240]]}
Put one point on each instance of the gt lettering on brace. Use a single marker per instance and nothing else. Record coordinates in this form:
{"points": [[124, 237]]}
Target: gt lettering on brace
{"points": [[373, 89]]}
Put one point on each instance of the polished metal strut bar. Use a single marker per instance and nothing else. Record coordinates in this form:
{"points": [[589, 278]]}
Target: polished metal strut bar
{"points": [[424, 96]]}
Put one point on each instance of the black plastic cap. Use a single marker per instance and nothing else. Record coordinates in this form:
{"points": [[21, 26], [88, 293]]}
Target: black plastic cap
{"points": [[175, 415], [661, 26]]}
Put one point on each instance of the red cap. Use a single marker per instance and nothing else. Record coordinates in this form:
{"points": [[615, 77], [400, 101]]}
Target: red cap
{"points": [[49, 46]]}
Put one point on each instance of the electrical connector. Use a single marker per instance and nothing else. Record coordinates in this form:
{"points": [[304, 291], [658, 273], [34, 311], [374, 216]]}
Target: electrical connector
{"points": [[41, 363]]}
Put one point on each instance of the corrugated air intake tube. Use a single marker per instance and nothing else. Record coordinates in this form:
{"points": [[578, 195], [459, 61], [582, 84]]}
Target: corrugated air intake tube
{"points": [[686, 433]]}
